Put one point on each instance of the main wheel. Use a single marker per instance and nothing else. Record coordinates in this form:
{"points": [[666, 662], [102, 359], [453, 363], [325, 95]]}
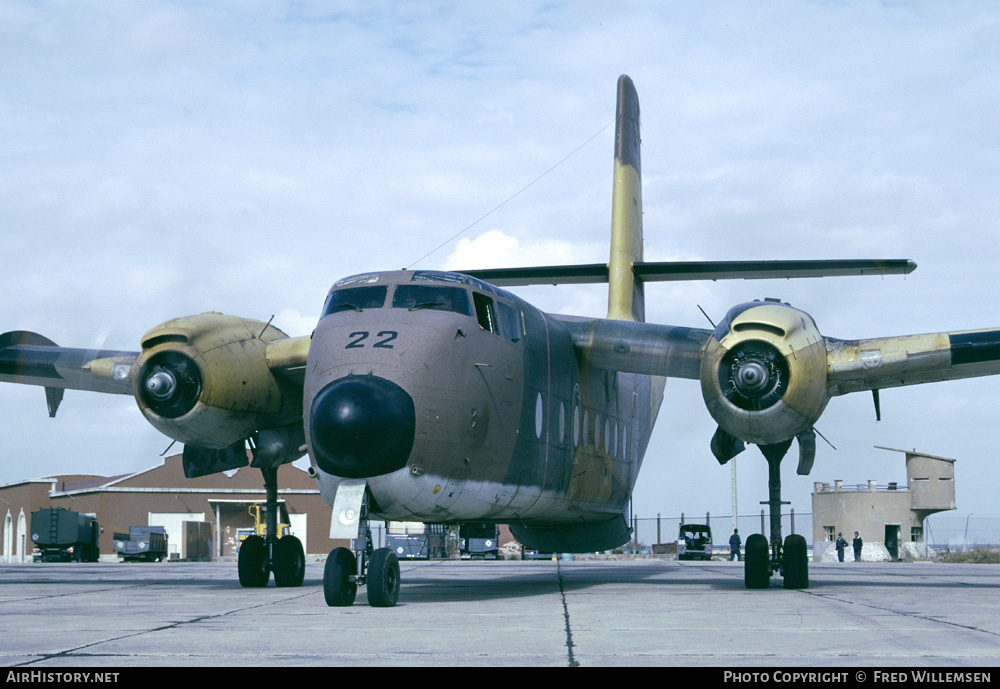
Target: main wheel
{"points": [[383, 579], [756, 562], [252, 563], [338, 589], [289, 562], [795, 562]]}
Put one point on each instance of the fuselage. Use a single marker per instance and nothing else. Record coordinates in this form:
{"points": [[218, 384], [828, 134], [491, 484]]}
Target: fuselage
{"points": [[458, 401]]}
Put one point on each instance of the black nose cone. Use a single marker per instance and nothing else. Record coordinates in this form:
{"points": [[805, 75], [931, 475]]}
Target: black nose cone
{"points": [[362, 426]]}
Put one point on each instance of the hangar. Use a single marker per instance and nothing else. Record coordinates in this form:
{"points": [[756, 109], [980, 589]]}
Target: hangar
{"points": [[162, 496]]}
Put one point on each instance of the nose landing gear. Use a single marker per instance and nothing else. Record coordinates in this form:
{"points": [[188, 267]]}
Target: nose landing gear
{"points": [[362, 564]]}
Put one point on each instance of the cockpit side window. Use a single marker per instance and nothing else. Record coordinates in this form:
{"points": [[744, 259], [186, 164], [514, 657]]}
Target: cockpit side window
{"points": [[355, 299], [511, 321], [485, 313], [434, 297]]}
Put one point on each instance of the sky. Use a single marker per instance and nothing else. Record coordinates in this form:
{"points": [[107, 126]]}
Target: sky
{"points": [[160, 159]]}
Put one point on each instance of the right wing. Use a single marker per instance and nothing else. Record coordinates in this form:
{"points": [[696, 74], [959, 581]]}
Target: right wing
{"points": [[31, 359]]}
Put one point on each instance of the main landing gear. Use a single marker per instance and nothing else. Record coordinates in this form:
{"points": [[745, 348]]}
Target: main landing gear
{"points": [[361, 565], [259, 556], [789, 559]]}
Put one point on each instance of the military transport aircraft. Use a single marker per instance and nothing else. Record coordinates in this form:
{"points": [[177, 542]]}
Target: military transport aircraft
{"points": [[441, 397]]}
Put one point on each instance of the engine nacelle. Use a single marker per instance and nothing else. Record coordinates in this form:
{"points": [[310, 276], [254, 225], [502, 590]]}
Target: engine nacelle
{"points": [[204, 380], [764, 372]]}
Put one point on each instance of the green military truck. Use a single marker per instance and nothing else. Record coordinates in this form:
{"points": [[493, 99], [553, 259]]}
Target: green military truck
{"points": [[63, 535]]}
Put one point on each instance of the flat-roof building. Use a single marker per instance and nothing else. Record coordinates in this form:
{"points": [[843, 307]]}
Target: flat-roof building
{"points": [[889, 517]]}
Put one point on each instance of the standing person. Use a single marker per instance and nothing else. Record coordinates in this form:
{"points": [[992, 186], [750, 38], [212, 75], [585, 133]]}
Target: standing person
{"points": [[857, 543], [841, 544], [734, 545]]}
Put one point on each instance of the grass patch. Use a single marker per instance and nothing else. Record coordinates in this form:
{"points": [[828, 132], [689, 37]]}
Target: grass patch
{"points": [[978, 556]]}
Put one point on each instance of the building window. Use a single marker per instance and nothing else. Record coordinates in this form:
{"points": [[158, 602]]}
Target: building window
{"points": [[917, 534], [831, 533]]}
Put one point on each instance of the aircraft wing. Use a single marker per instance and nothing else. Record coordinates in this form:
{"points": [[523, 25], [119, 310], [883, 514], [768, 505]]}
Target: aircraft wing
{"points": [[887, 362], [287, 358], [634, 347], [31, 359], [767, 374]]}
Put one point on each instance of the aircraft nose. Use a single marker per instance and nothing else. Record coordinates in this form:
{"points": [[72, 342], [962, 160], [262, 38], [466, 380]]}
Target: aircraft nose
{"points": [[362, 426]]}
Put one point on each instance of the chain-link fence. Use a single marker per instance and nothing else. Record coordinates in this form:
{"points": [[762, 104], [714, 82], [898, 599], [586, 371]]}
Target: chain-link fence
{"points": [[962, 532], [941, 531], [650, 531]]}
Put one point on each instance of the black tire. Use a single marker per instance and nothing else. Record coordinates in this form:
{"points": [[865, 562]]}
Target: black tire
{"points": [[338, 589], [383, 579], [795, 562], [756, 562], [252, 563], [289, 564]]}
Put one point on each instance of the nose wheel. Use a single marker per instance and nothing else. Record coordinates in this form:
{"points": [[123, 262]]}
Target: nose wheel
{"points": [[361, 565]]}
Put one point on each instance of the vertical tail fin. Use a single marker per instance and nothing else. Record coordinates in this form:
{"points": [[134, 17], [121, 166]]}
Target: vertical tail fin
{"points": [[626, 300]]}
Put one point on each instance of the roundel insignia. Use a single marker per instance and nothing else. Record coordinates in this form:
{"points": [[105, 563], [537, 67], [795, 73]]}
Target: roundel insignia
{"points": [[870, 358]]}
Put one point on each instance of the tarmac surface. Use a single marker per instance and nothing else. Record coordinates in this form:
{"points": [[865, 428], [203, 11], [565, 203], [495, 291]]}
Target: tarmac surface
{"points": [[534, 613]]}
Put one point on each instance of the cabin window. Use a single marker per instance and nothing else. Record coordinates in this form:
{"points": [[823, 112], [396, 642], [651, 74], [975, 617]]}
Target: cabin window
{"points": [[511, 322], [539, 416], [485, 313], [576, 426], [355, 299], [432, 297], [562, 423]]}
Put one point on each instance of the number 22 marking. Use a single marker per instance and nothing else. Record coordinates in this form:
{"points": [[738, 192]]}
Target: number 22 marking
{"points": [[362, 335]]}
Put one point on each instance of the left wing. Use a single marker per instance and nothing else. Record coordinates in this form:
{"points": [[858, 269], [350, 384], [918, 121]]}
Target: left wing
{"points": [[888, 362], [767, 373]]}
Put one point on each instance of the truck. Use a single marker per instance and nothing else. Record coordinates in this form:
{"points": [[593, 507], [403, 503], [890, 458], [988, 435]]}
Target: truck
{"points": [[694, 542], [415, 540], [63, 535], [142, 544], [479, 541]]}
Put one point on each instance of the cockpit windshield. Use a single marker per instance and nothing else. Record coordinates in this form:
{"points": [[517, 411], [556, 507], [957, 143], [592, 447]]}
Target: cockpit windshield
{"points": [[356, 299], [435, 297]]}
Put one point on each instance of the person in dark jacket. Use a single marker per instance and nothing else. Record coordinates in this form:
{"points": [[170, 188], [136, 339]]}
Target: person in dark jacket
{"points": [[857, 543], [734, 545], [841, 544]]}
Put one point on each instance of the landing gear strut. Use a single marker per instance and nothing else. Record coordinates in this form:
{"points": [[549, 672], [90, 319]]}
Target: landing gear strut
{"points": [[361, 565], [790, 558], [259, 556]]}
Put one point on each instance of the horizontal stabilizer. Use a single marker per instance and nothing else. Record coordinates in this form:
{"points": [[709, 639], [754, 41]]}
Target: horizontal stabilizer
{"points": [[693, 270]]}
